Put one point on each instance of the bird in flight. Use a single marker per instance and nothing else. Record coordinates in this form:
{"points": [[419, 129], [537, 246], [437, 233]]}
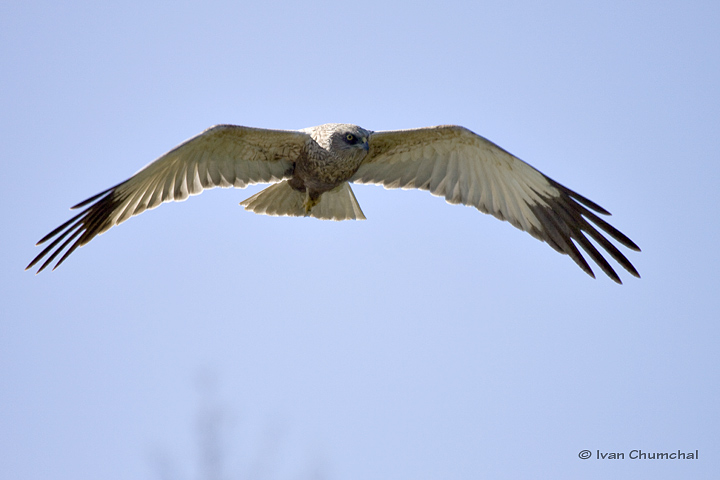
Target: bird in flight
{"points": [[311, 170]]}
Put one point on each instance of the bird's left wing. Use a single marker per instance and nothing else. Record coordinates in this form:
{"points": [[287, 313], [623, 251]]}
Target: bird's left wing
{"points": [[455, 163], [221, 156]]}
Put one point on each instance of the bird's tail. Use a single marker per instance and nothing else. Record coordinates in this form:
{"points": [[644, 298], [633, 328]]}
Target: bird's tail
{"points": [[280, 199]]}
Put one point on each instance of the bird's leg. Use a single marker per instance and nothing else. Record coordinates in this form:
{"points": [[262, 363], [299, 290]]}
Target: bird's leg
{"points": [[311, 199]]}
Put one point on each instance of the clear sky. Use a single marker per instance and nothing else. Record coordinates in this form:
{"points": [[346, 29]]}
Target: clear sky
{"points": [[201, 341]]}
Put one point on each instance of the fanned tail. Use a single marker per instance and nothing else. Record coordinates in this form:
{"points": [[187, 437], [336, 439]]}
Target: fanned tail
{"points": [[280, 199]]}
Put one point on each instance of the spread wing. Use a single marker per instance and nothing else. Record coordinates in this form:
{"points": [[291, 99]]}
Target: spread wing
{"points": [[463, 167], [221, 156]]}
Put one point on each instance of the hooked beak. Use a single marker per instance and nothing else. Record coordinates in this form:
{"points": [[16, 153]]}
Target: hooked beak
{"points": [[365, 144]]}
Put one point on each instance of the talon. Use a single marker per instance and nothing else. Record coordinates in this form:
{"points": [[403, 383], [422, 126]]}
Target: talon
{"points": [[309, 203]]}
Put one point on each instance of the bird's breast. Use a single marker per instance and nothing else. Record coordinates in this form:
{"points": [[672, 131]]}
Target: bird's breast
{"points": [[321, 171]]}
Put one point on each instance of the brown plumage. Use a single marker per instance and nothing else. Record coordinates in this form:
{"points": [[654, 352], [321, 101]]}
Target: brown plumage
{"points": [[310, 171]]}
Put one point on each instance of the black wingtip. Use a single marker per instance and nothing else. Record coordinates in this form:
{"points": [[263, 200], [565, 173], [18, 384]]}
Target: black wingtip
{"points": [[566, 221], [77, 231]]}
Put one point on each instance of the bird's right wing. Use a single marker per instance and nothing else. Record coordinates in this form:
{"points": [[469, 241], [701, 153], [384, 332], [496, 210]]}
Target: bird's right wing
{"points": [[455, 163], [221, 156]]}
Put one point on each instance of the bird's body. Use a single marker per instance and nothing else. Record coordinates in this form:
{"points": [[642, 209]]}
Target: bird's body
{"points": [[311, 171], [331, 156]]}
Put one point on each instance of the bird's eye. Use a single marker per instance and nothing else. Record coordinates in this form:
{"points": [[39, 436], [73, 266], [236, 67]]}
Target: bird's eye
{"points": [[350, 137]]}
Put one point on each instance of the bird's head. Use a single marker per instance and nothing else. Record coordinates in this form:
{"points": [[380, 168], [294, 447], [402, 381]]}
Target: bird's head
{"points": [[341, 138], [348, 139]]}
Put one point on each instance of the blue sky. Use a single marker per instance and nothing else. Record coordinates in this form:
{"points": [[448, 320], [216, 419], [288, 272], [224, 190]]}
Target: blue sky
{"points": [[427, 342]]}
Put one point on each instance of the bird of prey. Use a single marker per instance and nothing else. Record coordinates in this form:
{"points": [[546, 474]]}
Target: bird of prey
{"points": [[311, 170]]}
